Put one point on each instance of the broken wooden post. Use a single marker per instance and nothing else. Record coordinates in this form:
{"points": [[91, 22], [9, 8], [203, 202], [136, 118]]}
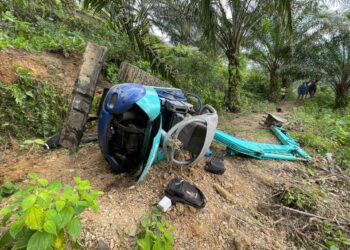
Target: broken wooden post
{"points": [[82, 96], [131, 74]]}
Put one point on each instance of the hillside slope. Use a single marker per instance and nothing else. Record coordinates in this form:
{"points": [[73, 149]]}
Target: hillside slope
{"points": [[54, 68]]}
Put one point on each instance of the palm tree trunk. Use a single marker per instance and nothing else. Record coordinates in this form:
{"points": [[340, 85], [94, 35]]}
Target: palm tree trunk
{"points": [[232, 95], [274, 86], [342, 97]]}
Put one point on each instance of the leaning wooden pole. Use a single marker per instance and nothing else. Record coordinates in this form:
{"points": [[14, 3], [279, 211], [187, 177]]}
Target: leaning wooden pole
{"points": [[82, 96]]}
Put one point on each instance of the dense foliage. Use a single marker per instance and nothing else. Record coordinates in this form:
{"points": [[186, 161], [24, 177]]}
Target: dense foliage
{"points": [[38, 36], [45, 215], [30, 107], [62, 36], [322, 129]]}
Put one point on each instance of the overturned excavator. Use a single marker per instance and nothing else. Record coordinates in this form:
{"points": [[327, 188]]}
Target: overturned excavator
{"points": [[139, 125], [142, 124]]}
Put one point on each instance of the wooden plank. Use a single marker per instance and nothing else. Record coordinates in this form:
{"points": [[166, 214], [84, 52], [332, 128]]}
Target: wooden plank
{"points": [[82, 96], [131, 74]]}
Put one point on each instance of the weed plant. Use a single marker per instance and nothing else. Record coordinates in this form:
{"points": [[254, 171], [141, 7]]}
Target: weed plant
{"points": [[156, 232], [318, 126], [44, 215], [30, 107]]}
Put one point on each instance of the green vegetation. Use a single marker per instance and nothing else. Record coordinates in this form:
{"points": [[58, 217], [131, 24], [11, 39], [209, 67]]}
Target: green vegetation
{"points": [[198, 73], [156, 233], [322, 233], [295, 197], [66, 35], [30, 107], [217, 69], [334, 237], [322, 129], [38, 36], [7, 189], [45, 215]]}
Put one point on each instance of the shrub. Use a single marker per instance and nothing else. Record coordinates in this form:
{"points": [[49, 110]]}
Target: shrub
{"points": [[45, 215], [67, 34], [256, 82], [252, 102], [334, 237], [30, 107], [295, 197], [7, 189], [42, 35], [198, 73], [318, 126], [156, 234]]}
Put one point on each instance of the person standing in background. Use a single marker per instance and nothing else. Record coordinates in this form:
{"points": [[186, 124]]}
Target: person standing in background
{"points": [[301, 91], [306, 89], [313, 88]]}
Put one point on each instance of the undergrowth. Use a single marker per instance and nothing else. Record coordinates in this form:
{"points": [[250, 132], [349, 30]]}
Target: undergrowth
{"points": [[300, 198], [42, 35], [334, 237], [321, 234], [156, 232], [30, 107], [44, 215], [318, 126], [308, 232], [254, 103], [66, 35], [7, 189]]}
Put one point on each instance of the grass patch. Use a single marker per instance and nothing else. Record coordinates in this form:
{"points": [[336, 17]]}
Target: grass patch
{"points": [[38, 36], [317, 126], [264, 133], [300, 198]]}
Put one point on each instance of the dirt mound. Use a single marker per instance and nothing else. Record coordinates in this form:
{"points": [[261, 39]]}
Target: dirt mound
{"points": [[53, 68]]}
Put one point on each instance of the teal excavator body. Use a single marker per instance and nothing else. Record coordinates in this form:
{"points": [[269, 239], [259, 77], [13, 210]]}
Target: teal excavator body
{"points": [[140, 125]]}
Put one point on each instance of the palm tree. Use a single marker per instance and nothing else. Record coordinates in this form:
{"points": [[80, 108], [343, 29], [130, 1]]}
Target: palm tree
{"points": [[228, 27], [271, 48], [327, 57], [334, 59], [132, 17], [178, 19]]}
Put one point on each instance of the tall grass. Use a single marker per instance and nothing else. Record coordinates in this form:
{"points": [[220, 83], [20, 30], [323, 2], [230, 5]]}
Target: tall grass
{"points": [[318, 126]]}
